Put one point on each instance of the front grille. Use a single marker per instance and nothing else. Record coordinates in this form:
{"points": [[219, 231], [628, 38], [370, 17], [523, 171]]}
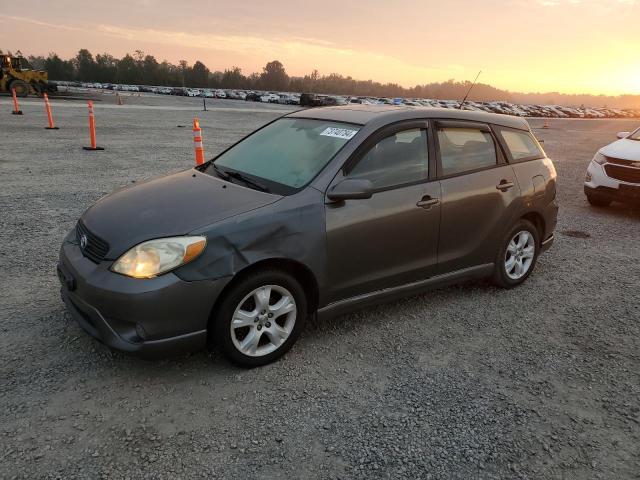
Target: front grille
{"points": [[624, 174], [96, 248], [619, 161]]}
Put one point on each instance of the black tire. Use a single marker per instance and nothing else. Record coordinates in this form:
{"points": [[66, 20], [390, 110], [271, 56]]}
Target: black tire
{"points": [[40, 88], [599, 202], [501, 277], [220, 327], [22, 88]]}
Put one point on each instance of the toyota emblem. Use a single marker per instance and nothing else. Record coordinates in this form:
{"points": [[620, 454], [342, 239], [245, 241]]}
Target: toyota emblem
{"points": [[83, 241]]}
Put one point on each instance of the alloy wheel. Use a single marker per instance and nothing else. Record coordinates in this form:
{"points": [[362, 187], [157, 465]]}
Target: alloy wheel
{"points": [[263, 320], [520, 255]]}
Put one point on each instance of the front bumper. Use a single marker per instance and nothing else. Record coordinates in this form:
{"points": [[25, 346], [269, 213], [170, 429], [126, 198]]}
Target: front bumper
{"points": [[154, 317], [630, 196], [599, 185]]}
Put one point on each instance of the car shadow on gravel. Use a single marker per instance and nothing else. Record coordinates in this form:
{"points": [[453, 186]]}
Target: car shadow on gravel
{"points": [[372, 315], [619, 211]]}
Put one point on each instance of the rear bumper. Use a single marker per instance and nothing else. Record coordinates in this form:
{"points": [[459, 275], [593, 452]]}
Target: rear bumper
{"points": [[550, 215], [156, 317]]}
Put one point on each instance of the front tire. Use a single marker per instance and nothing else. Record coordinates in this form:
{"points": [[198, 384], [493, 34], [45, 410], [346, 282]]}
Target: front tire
{"points": [[517, 255], [21, 87], [260, 318]]}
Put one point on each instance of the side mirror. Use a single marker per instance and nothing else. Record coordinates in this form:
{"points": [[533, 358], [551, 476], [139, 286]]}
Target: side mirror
{"points": [[622, 135], [350, 189]]}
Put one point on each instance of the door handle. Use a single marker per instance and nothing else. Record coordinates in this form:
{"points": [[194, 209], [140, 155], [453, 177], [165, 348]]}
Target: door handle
{"points": [[503, 186], [427, 202]]}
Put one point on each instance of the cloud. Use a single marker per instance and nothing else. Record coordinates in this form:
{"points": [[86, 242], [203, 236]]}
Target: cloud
{"points": [[294, 49], [602, 3]]}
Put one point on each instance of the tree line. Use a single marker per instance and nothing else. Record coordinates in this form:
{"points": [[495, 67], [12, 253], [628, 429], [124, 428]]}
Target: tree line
{"points": [[138, 68]]}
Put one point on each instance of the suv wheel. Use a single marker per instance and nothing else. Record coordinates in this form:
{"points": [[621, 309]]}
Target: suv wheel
{"points": [[517, 256], [598, 201], [260, 318]]}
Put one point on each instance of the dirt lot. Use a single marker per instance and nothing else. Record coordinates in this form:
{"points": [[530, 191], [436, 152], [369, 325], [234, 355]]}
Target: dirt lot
{"points": [[464, 382]]}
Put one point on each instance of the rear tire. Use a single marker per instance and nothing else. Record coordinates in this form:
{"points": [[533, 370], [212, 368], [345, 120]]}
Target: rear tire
{"points": [[518, 255], [598, 202], [259, 318]]}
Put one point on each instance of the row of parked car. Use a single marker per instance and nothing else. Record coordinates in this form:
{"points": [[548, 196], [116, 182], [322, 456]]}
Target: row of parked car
{"points": [[319, 100]]}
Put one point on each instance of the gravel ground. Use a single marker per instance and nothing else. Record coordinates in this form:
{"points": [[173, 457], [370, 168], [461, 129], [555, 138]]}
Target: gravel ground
{"points": [[464, 382]]}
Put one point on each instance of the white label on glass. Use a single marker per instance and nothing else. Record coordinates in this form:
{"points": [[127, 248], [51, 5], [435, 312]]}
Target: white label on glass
{"points": [[339, 133]]}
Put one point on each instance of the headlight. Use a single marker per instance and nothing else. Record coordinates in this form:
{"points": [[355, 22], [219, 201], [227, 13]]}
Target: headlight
{"points": [[600, 159], [155, 257]]}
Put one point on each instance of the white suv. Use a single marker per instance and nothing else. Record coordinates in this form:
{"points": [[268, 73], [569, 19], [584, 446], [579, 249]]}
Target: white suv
{"points": [[614, 172]]}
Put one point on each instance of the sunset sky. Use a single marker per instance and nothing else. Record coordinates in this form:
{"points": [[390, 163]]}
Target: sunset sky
{"points": [[571, 46]]}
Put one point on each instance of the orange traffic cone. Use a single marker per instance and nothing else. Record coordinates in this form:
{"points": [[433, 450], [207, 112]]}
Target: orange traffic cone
{"points": [[47, 107], [119, 99], [16, 109], [546, 124], [92, 129], [197, 142]]}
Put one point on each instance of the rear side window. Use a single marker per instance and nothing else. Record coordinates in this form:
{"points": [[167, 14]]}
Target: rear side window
{"points": [[465, 149], [521, 145], [395, 160]]}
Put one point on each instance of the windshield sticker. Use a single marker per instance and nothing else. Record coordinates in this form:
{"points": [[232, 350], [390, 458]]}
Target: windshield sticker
{"points": [[343, 133]]}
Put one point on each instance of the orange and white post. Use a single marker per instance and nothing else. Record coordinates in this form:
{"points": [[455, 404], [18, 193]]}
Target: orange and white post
{"points": [[92, 129], [197, 142], [47, 107], [16, 108]]}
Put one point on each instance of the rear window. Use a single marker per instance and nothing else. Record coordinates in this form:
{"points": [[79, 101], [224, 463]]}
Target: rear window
{"points": [[521, 145], [465, 149]]}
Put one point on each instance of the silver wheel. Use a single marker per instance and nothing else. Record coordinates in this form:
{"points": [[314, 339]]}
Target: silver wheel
{"points": [[520, 254], [263, 320]]}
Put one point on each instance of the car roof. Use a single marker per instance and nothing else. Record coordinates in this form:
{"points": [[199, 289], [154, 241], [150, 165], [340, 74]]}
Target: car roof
{"points": [[381, 115]]}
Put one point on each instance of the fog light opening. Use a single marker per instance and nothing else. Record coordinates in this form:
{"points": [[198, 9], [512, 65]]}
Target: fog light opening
{"points": [[140, 331]]}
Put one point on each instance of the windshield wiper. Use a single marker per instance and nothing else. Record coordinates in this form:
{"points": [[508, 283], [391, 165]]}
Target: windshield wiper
{"points": [[220, 172], [229, 174], [252, 183]]}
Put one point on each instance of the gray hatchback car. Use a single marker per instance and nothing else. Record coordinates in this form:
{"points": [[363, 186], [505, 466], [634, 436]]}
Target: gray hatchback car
{"points": [[318, 212]]}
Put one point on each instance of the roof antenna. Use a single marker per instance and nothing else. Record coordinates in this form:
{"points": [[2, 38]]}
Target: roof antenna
{"points": [[470, 88]]}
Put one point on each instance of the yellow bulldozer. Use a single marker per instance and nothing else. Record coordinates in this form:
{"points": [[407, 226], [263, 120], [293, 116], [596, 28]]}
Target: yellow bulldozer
{"points": [[16, 74]]}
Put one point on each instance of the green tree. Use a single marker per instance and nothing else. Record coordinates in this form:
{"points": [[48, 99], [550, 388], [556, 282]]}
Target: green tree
{"points": [[150, 70], [57, 68], [198, 75], [274, 76], [85, 66], [106, 69], [127, 70], [233, 78]]}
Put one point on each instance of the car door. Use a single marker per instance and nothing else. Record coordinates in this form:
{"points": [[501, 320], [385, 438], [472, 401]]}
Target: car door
{"points": [[391, 238], [479, 194]]}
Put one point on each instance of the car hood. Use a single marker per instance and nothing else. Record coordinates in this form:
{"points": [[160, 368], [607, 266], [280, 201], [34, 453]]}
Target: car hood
{"points": [[168, 206], [624, 149]]}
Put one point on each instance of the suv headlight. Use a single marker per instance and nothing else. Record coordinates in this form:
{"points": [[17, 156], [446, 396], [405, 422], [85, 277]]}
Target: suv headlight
{"points": [[155, 257], [600, 159]]}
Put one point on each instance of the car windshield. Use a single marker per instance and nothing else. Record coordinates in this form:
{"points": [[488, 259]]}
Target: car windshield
{"points": [[289, 151], [635, 135]]}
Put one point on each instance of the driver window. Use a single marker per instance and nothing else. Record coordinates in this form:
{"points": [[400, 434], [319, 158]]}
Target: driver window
{"points": [[395, 160]]}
